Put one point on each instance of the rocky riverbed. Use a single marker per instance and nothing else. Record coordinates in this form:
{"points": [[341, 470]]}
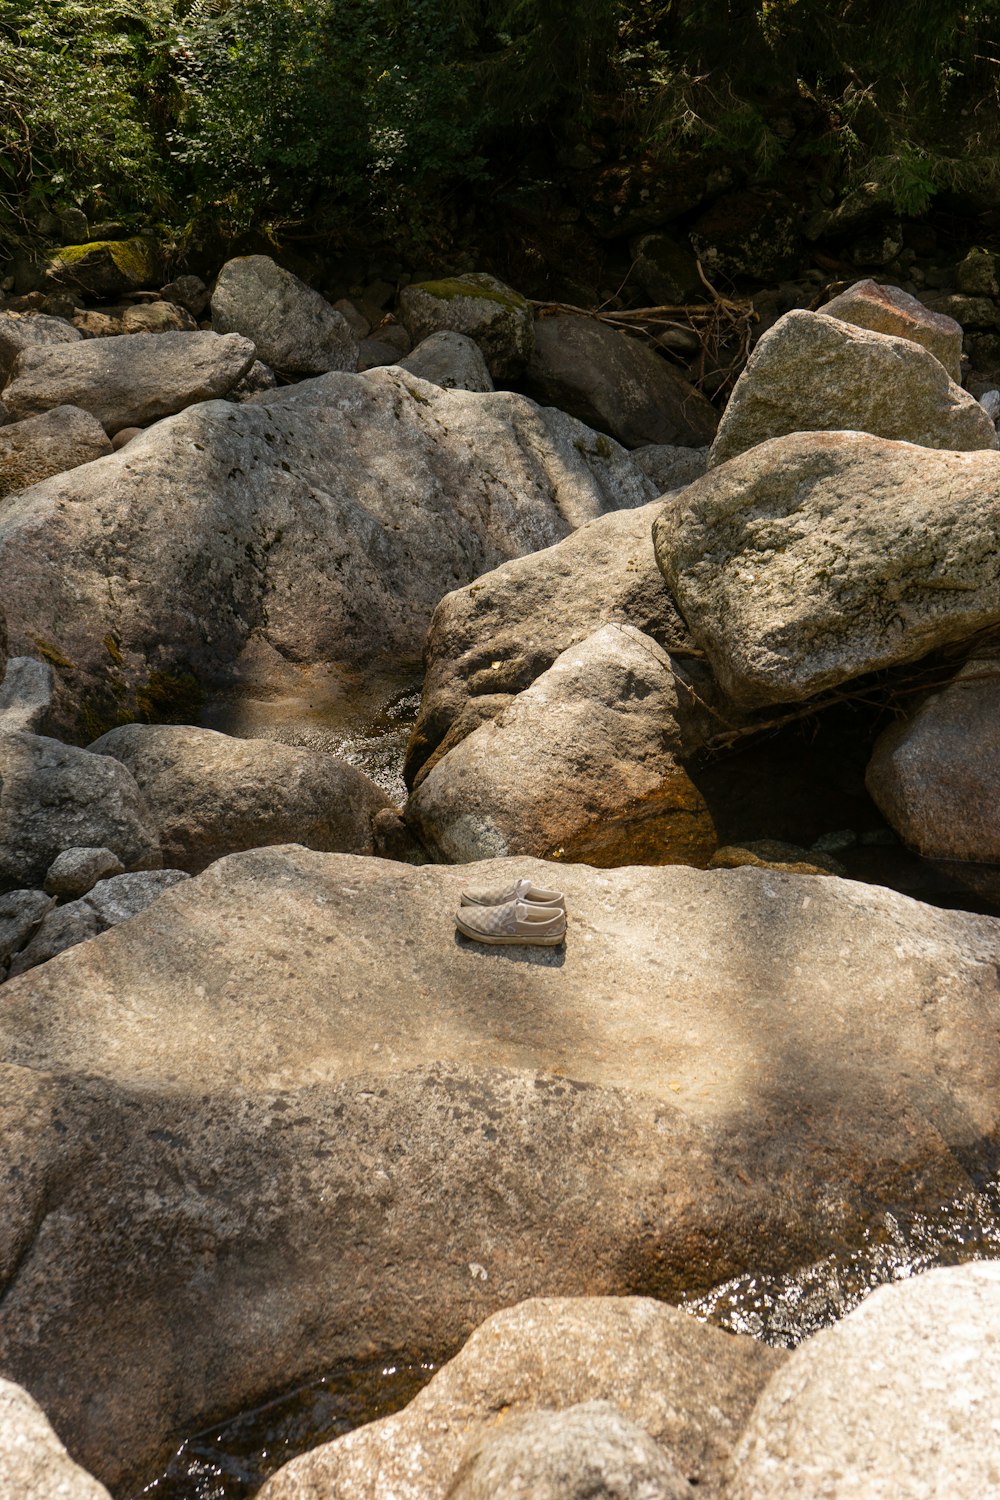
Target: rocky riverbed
{"points": [[302, 636]]}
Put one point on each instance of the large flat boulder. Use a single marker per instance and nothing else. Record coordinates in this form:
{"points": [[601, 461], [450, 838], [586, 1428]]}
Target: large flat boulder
{"points": [[284, 1120], [935, 774], [48, 444], [209, 794], [899, 1399], [615, 383], [815, 373], [688, 1387], [293, 327], [818, 557], [324, 521], [888, 309], [494, 637], [129, 380], [585, 764]]}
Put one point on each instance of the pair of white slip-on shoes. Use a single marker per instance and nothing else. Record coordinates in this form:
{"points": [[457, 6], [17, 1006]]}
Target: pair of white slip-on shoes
{"points": [[521, 913]]}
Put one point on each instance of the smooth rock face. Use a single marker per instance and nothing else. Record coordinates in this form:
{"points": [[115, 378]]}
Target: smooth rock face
{"points": [[51, 443], [19, 331], [888, 309], [35, 1465], [209, 794], [616, 384], [585, 764], [486, 310], [588, 1452], [451, 361], [818, 557], [55, 797], [900, 1398], [293, 327], [76, 871], [688, 1388], [25, 694], [935, 775], [286, 1142], [324, 519], [813, 373], [109, 902], [501, 632], [131, 380]]}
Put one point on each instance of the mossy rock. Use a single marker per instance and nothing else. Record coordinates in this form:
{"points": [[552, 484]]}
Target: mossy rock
{"points": [[107, 268], [486, 310]]}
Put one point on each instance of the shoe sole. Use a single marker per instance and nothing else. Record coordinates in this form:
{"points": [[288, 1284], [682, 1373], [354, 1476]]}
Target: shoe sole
{"points": [[496, 939]]}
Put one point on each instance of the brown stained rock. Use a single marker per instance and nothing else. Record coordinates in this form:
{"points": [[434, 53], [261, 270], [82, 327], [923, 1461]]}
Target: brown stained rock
{"points": [[52, 443], [935, 775], [157, 317], [498, 634], [209, 794], [688, 1388], [900, 1399], [128, 381], [773, 854], [818, 557], [813, 373], [325, 518], [298, 1120], [616, 384], [888, 309], [585, 764]]}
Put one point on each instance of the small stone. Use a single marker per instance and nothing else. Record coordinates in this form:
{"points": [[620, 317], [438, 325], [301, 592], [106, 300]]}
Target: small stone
{"points": [[586, 1452], [449, 360], [486, 310], [76, 871], [833, 843], [977, 275], [124, 437], [109, 903]]}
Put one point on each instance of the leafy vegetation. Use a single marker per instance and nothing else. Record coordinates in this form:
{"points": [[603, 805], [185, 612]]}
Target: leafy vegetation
{"points": [[335, 114]]}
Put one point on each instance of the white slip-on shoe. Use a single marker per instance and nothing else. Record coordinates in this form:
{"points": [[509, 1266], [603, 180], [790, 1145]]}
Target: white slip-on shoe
{"points": [[521, 890], [513, 922]]}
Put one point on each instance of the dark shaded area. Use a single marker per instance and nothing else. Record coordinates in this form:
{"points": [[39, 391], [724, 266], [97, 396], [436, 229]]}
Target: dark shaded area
{"points": [[232, 1460]]}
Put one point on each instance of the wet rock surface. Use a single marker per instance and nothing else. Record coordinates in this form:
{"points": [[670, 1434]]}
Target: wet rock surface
{"points": [[36, 1466], [689, 1389], [724, 1032]]}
